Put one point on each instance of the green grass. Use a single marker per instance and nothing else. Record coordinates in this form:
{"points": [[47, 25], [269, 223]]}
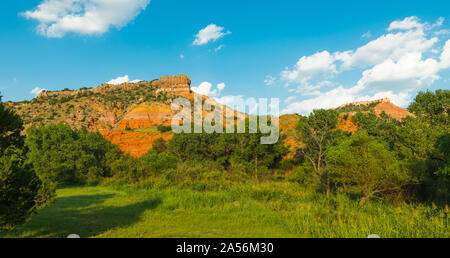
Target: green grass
{"points": [[263, 210]]}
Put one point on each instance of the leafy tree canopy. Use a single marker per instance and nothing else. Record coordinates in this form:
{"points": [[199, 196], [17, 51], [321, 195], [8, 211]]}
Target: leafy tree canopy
{"points": [[362, 166], [11, 126]]}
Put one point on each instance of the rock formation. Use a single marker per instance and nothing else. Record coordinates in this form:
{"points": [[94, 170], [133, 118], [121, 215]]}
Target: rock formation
{"points": [[174, 84], [366, 103], [382, 105]]}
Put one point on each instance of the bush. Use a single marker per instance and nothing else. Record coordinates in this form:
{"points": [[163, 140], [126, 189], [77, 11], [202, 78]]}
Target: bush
{"points": [[304, 175], [21, 191], [159, 145], [11, 126], [361, 166], [164, 129], [64, 156]]}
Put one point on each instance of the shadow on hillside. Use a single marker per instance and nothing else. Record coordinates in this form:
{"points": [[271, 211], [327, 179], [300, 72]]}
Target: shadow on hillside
{"points": [[83, 215]]}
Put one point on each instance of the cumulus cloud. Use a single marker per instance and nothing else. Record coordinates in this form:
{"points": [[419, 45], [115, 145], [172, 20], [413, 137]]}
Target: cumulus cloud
{"points": [[36, 91], [388, 46], [221, 87], [206, 88], [85, 17], [442, 32], [445, 56], [405, 59], [410, 72], [120, 80], [210, 33], [406, 24], [308, 66]]}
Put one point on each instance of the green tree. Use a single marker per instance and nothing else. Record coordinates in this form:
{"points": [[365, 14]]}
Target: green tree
{"points": [[435, 106], [361, 166], [62, 155], [159, 145], [226, 149], [382, 127], [442, 182], [21, 191], [317, 132], [11, 126]]}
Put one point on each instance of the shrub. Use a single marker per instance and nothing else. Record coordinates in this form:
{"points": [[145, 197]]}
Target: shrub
{"points": [[361, 166], [159, 145], [21, 191], [11, 126], [64, 156], [164, 129]]}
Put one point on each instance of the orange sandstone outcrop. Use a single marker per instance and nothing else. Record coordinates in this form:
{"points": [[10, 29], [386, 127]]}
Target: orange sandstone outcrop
{"points": [[144, 116], [345, 124], [135, 143], [392, 110], [383, 105]]}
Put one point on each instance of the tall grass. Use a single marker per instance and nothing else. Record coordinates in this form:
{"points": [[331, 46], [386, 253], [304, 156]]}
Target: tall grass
{"points": [[246, 210]]}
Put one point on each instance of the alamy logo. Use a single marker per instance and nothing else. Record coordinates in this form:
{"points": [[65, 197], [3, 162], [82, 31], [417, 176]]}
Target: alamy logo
{"points": [[223, 119]]}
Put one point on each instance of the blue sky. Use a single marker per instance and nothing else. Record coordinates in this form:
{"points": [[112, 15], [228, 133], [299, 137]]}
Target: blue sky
{"points": [[310, 54]]}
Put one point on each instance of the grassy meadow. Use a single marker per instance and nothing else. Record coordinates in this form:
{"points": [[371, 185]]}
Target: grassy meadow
{"points": [[260, 210]]}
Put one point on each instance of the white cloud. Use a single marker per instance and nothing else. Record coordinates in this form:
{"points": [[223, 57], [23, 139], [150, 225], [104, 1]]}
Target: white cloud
{"points": [[181, 56], [406, 59], [442, 32], [389, 46], [438, 23], [401, 99], [36, 91], [308, 66], [206, 88], [367, 35], [120, 80], [406, 24], [221, 87], [339, 96], [85, 17], [289, 99], [306, 88], [445, 56], [270, 80], [409, 73], [330, 99], [210, 33]]}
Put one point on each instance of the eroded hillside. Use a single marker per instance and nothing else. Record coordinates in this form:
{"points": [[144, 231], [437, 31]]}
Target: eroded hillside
{"points": [[128, 114], [131, 114]]}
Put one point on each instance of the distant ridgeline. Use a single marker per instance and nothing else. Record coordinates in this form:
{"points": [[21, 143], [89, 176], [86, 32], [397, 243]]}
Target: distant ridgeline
{"points": [[176, 83], [361, 106]]}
